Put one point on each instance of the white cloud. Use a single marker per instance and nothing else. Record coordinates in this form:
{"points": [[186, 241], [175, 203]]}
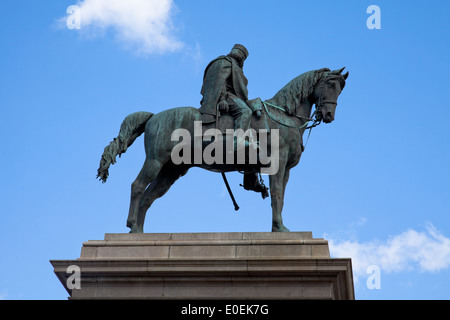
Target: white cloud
{"points": [[144, 24], [426, 251]]}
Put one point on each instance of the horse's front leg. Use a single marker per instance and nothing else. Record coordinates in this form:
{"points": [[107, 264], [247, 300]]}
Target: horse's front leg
{"points": [[277, 186]]}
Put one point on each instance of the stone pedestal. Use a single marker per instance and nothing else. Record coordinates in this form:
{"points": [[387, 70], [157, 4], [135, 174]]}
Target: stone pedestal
{"points": [[241, 265]]}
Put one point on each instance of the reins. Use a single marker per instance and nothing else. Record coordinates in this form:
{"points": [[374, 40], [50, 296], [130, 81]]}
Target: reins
{"points": [[284, 110], [305, 126]]}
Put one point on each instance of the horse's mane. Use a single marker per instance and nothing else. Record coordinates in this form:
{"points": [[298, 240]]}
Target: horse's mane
{"points": [[301, 88]]}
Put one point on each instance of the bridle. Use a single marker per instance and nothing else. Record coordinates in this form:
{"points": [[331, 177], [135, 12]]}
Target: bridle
{"points": [[316, 116], [320, 101]]}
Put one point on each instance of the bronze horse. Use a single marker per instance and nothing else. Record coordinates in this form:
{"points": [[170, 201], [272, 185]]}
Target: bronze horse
{"points": [[289, 111]]}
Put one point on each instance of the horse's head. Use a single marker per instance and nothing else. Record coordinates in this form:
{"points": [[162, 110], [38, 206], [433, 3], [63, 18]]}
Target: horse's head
{"points": [[326, 93]]}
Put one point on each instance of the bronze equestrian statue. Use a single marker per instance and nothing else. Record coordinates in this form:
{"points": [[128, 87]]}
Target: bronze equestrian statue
{"points": [[288, 115]]}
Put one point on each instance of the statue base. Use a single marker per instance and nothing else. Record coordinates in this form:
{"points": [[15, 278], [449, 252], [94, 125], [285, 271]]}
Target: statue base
{"points": [[241, 265]]}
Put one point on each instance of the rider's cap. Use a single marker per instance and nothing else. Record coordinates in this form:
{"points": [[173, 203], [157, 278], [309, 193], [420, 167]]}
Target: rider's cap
{"points": [[242, 48]]}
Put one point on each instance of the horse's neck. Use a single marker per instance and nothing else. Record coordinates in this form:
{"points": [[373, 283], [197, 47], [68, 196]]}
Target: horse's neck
{"points": [[303, 110]]}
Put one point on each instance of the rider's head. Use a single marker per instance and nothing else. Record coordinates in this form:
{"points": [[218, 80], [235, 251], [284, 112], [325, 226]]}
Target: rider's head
{"points": [[240, 53]]}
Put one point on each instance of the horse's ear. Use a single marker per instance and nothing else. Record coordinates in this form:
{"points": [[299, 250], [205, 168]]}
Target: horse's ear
{"points": [[345, 75], [339, 71]]}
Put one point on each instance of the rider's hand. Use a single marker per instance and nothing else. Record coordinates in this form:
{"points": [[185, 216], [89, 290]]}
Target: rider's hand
{"points": [[223, 106], [258, 114]]}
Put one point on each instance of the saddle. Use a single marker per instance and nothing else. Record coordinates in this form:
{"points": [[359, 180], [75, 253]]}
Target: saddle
{"points": [[226, 122]]}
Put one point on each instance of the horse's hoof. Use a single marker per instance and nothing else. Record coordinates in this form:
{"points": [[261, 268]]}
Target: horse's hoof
{"points": [[280, 229], [136, 230]]}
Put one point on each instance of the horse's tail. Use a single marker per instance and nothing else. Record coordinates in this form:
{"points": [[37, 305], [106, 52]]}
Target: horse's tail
{"points": [[131, 128]]}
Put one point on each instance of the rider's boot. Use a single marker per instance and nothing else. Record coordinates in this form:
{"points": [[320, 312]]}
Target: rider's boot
{"points": [[252, 183]]}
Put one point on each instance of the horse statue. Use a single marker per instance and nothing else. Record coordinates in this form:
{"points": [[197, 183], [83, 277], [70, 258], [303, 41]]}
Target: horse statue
{"points": [[288, 113]]}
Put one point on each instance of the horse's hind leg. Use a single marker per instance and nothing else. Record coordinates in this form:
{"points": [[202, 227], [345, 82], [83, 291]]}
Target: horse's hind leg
{"points": [[148, 173], [165, 179]]}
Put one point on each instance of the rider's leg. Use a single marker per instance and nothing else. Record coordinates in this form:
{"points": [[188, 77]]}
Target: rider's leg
{"points": [[241, 113], [242, 116]]}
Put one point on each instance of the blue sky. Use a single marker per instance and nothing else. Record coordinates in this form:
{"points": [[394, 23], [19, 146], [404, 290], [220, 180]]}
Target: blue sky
{"points": [[375, 182]]}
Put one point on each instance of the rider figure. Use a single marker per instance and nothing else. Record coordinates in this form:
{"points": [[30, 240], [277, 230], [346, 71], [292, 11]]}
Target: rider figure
{"points": [[224, 90]]}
